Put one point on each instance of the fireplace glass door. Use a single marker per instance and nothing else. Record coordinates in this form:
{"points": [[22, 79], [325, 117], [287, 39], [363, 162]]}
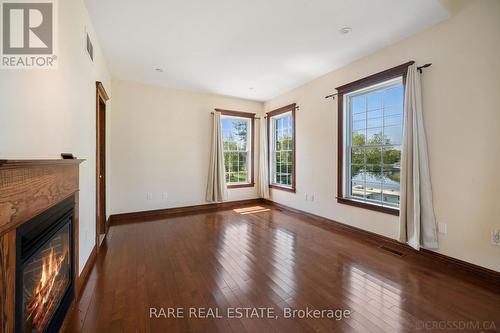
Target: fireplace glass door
{"points": [[46, 277]]}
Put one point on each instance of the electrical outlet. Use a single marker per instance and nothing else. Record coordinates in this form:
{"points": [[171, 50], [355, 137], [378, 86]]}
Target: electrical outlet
{"points": [[149, 196], [443, 228], [306, 197], [165, 195], [311, 197], [495, 237]]}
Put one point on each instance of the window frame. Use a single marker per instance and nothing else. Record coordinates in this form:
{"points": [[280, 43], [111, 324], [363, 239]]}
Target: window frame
{"points": [[285, 109], [392, 73], [251, 116]]}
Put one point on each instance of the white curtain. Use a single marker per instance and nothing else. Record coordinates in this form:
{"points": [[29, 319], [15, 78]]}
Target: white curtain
{"points": [[263, 161], [417, 221], [216, 186]]}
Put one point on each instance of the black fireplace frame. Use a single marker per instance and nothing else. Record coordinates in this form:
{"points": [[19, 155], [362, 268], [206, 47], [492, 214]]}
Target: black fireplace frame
{"points": [[30, 237]]}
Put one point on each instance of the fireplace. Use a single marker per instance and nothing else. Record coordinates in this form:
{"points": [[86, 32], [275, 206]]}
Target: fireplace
{"points": [[44, 269]]}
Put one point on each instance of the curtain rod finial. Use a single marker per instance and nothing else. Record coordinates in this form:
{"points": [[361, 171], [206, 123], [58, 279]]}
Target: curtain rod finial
{"points": [[420, 68]]}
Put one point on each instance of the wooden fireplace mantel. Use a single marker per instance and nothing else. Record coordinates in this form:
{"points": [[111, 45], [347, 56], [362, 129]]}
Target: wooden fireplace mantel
{"points": [[28, 188]]}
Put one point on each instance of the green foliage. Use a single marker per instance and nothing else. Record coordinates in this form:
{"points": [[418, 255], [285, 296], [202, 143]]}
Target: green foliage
{"points": [[358, 140], [368, 156], [235, 156], [241, 130], [283, 159]]}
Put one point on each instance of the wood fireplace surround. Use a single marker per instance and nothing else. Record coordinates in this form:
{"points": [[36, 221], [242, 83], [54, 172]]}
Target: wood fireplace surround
{"points": [[27, 189]]}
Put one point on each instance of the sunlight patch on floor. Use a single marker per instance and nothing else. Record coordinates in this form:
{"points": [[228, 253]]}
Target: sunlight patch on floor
{"points": [[251, 210]]}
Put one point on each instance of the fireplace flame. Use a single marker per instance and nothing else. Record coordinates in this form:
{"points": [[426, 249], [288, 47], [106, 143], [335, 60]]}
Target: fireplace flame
{"points": [[47, 291]]}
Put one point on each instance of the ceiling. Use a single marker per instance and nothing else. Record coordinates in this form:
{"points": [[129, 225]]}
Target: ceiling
{"points": [[250, 49]]}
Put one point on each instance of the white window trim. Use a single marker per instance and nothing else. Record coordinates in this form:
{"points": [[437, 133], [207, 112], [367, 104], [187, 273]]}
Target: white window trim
{"points": [[248, 149], [347, 130], [272, 134]]}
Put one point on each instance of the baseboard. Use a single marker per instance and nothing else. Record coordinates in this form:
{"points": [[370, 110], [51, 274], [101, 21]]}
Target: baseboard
{"points": [[485, 274], [465, 269], [80, 283], [82, 279], [142, 216], [345, 228]]}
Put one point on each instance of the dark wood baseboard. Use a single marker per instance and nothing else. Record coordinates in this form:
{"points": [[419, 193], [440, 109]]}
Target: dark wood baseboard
{"points": [[486, 274], [337, 226], [459, 267], [84, 276], [157, 214], [80, 283]]}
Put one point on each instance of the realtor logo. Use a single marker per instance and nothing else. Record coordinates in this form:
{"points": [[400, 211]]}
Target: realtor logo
{"points": [[28, 31]]}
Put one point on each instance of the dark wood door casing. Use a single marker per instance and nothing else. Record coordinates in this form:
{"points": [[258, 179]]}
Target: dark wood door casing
{"points": [[101, 98]]}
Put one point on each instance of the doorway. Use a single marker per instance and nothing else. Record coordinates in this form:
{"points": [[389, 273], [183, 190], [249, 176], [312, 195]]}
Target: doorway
{"points": [[101, 224]]}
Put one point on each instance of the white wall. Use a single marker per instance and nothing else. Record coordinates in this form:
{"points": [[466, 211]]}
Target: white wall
{"points": [[159, 136], [46, 112], [161, 143], [462, 116]]}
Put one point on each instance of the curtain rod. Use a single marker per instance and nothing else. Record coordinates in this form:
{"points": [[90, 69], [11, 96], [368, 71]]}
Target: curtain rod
{"points": [[294, 108], [419, 69], [253, 117], [265, 117]]}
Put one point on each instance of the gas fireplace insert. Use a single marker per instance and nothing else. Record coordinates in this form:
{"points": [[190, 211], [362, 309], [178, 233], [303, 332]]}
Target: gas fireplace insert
{"points": [[44, 269]]}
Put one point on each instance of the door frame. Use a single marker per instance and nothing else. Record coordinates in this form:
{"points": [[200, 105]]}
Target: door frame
{"points": [[101, 225]]}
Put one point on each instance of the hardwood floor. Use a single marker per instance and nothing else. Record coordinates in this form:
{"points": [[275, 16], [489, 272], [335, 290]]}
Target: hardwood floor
{"points": [[261, 257]]}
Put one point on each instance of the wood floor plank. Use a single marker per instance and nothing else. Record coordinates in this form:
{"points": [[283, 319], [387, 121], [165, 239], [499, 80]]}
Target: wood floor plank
{"points": [[268, 259]]}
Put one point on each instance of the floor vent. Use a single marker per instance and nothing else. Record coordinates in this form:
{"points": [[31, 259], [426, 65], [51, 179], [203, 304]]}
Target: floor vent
{"points": [[388, 249]]}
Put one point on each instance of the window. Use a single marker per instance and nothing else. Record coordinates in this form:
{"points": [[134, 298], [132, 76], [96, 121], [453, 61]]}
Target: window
{"points": [[237, 137], [281, 127], [370, 139]]}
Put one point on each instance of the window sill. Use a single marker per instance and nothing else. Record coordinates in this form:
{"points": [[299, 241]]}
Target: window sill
{"points": [[277, 187], [381, 209], [240, 185]]}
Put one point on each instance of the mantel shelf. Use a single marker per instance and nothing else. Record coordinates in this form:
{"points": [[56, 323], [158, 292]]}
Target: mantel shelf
{"points": [[27, 163], [28, 187]]}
